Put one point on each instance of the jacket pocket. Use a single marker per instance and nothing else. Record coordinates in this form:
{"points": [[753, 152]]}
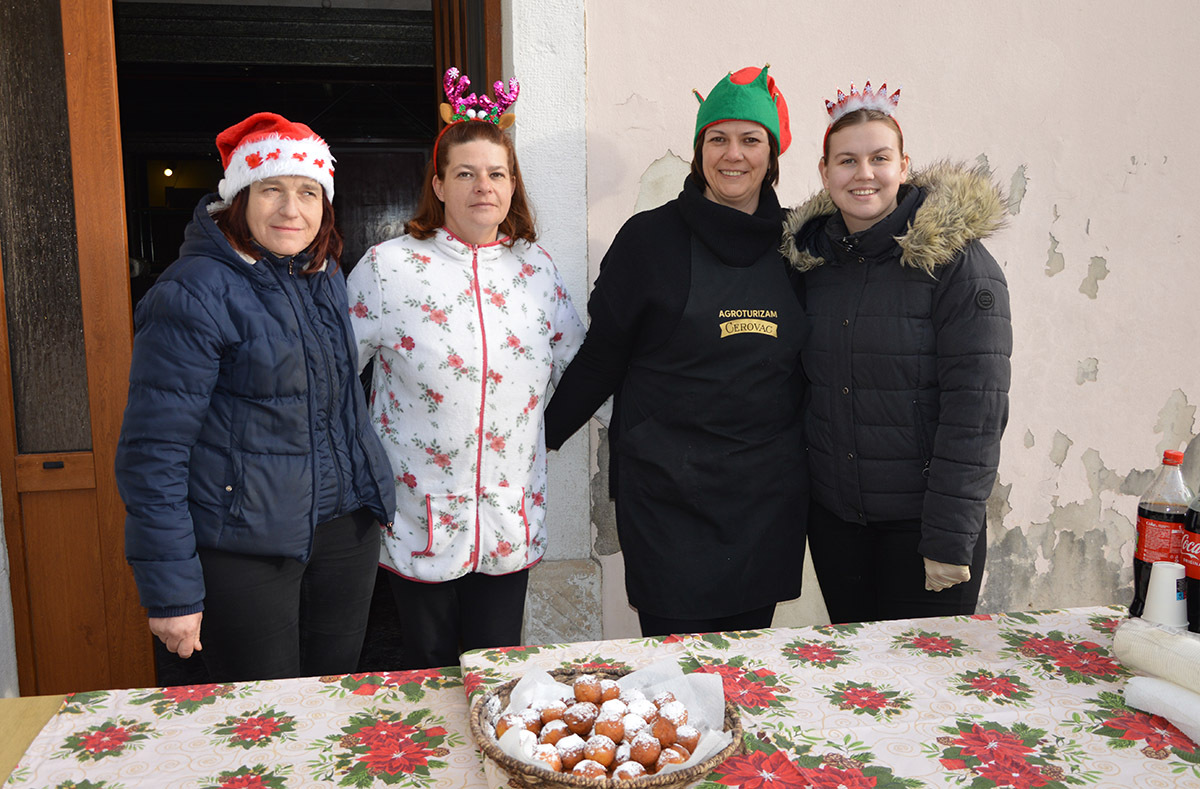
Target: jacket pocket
{"points": [[922, 442], [449, 537], [505, 535]]}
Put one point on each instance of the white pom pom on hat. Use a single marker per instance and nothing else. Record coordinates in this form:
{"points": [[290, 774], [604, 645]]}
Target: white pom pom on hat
{"points": [[266, 145]]}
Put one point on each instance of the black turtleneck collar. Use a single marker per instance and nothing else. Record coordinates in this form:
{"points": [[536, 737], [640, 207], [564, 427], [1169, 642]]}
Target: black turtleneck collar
{"points": [[878, 240], [735, 237]]}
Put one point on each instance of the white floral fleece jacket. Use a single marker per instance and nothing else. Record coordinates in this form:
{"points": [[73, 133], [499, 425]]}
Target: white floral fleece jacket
{"points": [[466, 340]]}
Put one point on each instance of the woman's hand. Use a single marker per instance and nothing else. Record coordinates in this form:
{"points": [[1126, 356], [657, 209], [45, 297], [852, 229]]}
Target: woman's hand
{"points": [[181, 634], [940, 576]]}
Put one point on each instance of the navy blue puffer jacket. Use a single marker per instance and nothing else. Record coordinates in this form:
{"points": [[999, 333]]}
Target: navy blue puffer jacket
{"points": [[245, 425]]}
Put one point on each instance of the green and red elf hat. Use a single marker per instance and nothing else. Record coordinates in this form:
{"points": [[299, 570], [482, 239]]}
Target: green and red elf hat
{"points": [[748, 94]]}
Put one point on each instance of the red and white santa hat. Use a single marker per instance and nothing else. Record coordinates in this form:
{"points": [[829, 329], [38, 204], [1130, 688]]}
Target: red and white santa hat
{"points": [[266, 145]]}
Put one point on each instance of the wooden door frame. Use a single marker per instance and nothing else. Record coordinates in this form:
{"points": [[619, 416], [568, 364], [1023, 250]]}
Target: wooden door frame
{"points": [[98, 188], [89, 54]]}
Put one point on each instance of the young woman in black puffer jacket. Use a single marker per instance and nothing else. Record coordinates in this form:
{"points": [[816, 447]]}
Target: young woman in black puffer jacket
{"points": [[908, 361]]}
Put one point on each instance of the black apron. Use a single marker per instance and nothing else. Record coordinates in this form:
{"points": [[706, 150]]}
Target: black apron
{"points": [[712, 489]]}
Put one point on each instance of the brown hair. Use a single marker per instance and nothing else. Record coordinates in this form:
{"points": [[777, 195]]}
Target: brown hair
{"points": [[327, 243], [431, 212], [856, 117], [772, 174]]}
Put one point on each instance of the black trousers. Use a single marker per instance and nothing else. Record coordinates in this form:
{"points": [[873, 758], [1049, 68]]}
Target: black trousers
{"points": [[269, 617], [757, 619], [438, 622], [874, 572]]}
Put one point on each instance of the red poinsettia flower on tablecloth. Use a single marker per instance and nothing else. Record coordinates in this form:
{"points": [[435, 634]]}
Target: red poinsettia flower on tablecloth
{"points": [[1016, 773], [934, 645], [393, 758], [759, 770], [829, 777], [1089, 663], [180, 693], [246, 781], [816, 653], [752, 694], [381, 733], [1049, 646], [110, 738], [256, 728], [864, 698], [993, 686], [1156, 730], [988, 745]]}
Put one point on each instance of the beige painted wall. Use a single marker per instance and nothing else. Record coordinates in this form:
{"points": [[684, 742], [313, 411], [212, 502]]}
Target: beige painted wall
{"points": [[1084, 110]]}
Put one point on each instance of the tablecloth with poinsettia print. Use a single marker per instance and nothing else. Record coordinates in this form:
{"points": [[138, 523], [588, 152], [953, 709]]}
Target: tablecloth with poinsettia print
{"points": [[1023, 700]]}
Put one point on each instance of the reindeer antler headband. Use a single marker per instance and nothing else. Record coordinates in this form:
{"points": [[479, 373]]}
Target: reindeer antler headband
{"points": [[472, 107]]}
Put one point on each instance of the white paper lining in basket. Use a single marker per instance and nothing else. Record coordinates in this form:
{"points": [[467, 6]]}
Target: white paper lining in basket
{"points": [[702, 694]]}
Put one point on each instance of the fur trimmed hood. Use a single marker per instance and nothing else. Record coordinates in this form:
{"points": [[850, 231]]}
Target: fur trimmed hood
{"points": [[962, 204]]}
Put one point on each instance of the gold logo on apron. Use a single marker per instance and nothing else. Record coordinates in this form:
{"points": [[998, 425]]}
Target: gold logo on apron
{"points": [[729, 328]]}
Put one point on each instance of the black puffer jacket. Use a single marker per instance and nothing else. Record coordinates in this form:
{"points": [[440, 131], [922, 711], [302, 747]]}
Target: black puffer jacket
{"points": [[908, 357]]}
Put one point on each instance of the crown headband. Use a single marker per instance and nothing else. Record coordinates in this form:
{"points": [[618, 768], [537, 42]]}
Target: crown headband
{"points": [[867, 100]]}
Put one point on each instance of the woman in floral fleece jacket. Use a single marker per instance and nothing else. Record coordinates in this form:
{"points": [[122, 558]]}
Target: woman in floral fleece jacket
{"points": [[468, 322]]}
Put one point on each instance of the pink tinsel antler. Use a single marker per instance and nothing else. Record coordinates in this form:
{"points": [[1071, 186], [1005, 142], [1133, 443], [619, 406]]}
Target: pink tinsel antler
{"points": [[506, 98], [455, 86]]}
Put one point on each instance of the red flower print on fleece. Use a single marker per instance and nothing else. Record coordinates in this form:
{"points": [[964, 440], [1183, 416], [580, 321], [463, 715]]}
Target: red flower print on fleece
{"points": [[503, 548], [1156, 730], [495, 442], [455, 361], [407, 343], [526, 270], [111, 738], [495, 377], [538, 499], [759, 770], [437, 397], [409, 479], [440, 459], [438, 316], [497, 299], [513, 341], [359, 310]]}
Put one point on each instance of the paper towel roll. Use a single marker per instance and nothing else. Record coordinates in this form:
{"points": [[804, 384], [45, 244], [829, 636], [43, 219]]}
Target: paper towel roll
{"points": [[1163, 652]]}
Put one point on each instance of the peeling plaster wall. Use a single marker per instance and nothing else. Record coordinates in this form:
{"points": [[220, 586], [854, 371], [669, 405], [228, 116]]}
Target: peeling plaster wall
{"points": [[1100, 251]]}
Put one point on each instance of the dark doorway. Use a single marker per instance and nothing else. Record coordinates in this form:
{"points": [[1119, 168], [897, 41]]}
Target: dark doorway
{"points": [[364, 79]]}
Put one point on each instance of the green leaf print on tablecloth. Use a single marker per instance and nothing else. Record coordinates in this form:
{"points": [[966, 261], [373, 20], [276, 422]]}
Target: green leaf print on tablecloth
{"points": [[253, 729], [982, 754], [412, 685], [257, 777], [1127, 728], [114, 737], [186, 699], [1056, 654], [748, 683]]}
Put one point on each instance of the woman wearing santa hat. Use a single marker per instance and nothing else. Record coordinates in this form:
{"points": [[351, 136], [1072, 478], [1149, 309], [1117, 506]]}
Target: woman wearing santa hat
{"points": [[254, 485], [696, 327], [468, 322]]}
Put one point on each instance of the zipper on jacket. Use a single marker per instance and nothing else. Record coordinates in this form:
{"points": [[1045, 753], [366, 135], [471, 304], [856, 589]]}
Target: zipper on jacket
{"points": [[920, 427], [482, 392], [332, 381]]}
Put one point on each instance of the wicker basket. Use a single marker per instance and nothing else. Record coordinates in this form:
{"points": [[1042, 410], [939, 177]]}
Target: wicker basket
{"points": [[522, 774]]}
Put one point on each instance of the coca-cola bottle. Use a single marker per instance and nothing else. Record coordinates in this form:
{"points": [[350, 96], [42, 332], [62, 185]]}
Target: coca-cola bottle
{"points": [[1189, 556], [1161, 513]]}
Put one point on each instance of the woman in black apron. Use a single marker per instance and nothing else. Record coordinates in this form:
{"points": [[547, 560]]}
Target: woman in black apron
{"points": [[696, 327]]}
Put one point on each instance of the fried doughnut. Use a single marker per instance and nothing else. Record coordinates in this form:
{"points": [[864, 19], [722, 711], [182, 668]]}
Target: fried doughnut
{"points": [[645, 749], [580, 716], [587, 688], [548, 754], [600, 748]]}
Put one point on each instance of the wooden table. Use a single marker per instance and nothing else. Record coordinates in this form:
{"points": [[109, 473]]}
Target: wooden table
{"points": [[1028, 699], [20, 721]]}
